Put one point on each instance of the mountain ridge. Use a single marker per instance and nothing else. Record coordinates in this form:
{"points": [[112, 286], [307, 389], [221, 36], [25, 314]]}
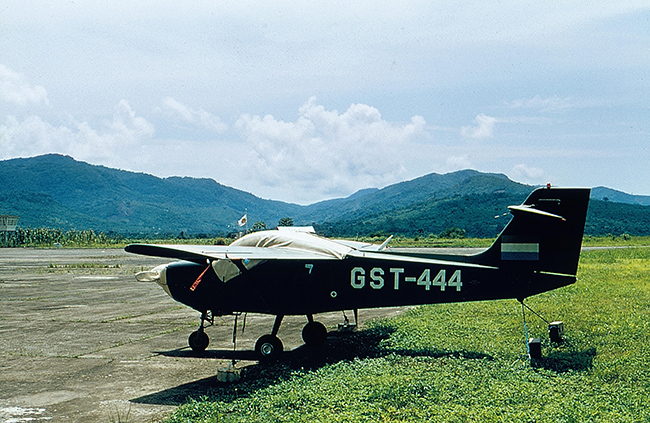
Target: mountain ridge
{"points": [[610, 194], [60, 192]]}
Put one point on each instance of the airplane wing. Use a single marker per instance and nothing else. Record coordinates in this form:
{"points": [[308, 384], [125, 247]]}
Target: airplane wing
{"points": [[263, 245], [203, 253], [285, 245]]}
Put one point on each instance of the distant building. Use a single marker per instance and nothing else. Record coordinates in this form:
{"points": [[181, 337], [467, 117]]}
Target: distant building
{"points": [[8, 223]]}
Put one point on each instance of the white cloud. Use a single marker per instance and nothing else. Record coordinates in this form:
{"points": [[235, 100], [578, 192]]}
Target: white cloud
{"points": [[328, 153], [549, 104], [119, 141], [128, 125], [199, 118], [458, 163], [527, 173], [484, 128], [14, 89]]}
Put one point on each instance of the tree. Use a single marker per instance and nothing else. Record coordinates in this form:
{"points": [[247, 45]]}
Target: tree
{"points": [[453, 233], [259, 226], [285, 221]]}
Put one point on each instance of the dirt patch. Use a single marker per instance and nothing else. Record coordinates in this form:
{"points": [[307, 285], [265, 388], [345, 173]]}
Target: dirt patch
{"points": [[82, 341]]}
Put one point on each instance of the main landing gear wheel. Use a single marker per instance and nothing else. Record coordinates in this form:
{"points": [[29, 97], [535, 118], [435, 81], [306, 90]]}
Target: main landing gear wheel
{"points": [[314, 333], [198, 341], [269, 348]]}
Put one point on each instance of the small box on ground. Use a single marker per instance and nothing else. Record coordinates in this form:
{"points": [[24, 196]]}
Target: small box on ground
{"points": [[556, 331], [228, 374], [535, 348]]}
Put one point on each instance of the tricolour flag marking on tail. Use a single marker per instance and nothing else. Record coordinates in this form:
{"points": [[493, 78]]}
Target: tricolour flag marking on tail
{"points": [[520, 251]]}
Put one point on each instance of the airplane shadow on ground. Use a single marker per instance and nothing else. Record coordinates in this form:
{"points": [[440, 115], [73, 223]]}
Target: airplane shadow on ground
{"points": [[339, 347]]}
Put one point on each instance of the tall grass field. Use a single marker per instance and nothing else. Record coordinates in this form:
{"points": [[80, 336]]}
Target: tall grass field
{"points": [[468, 362]]}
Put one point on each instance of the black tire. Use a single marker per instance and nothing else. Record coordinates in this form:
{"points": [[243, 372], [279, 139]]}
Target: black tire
{"points": [[268, 348], [314, 333], [198, 341]]}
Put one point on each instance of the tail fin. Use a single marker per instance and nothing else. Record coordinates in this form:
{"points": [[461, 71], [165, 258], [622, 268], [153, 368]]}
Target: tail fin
{"points": [[545, 233]]}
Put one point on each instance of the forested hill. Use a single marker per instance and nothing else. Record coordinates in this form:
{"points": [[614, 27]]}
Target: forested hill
{"points": [[59, 192]]}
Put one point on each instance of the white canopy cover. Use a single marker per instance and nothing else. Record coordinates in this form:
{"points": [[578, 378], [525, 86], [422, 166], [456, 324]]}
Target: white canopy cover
{"points": [[294, 240]]}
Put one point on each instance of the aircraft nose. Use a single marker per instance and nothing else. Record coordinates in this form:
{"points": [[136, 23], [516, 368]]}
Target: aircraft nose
{"points": [[158, 274]]}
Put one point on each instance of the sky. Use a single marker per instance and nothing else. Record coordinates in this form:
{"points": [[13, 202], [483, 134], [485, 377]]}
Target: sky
{"points": [[307, 101]]}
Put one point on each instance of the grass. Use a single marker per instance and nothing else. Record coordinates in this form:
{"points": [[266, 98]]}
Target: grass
{"points": [[467, 362], [616, 241]]}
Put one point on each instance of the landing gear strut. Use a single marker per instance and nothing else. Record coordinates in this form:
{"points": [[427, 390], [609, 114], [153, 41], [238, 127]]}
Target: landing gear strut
{"points": [[199, 340], [346, 326]]}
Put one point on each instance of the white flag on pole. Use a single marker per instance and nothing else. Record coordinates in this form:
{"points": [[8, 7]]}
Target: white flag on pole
{"points": [[243, 220]]}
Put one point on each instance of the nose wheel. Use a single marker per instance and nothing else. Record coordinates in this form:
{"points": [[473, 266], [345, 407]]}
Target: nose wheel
{"points": [[199, 340]]}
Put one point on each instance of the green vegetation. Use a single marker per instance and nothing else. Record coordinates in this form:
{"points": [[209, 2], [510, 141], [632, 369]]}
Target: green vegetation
{"points": [[452, 237], [286, 221], [45, 237], [466, 362], [48, 238], [605, 217], [615, 241]]}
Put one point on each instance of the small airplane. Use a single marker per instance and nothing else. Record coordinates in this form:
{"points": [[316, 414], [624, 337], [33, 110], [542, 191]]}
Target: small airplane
{"points": [[292, 271]]}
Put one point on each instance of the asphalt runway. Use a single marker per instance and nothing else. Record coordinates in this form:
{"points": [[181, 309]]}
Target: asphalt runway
{"points": [[82, 341]]}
